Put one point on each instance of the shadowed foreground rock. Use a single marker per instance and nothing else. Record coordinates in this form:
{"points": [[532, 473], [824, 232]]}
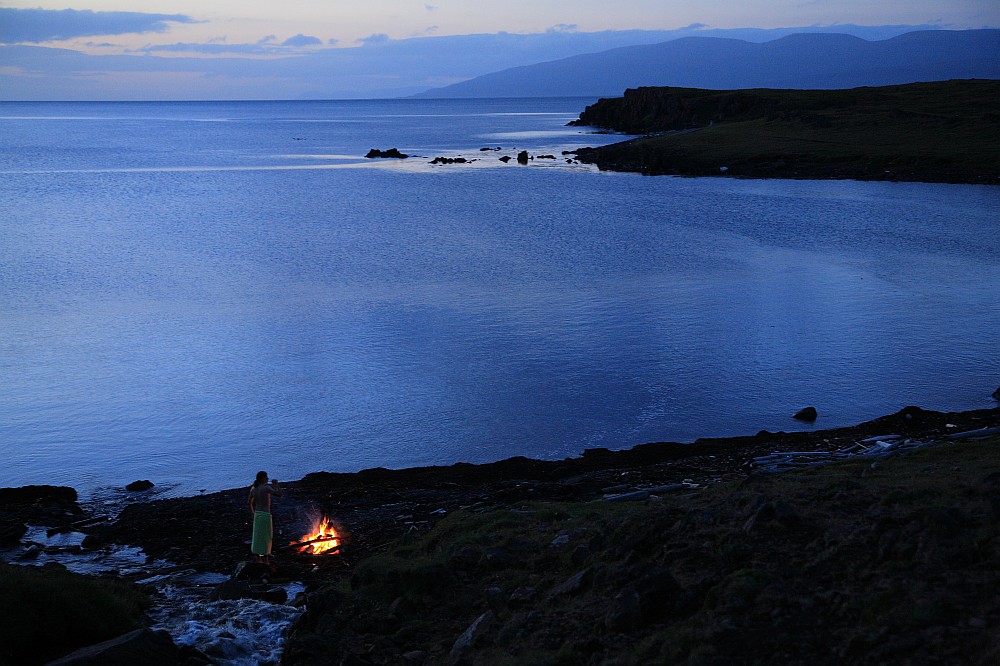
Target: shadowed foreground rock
{"points": [[38, 505], [141, 647]]}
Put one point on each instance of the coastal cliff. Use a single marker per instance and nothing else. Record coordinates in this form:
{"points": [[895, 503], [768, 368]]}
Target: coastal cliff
{"points": [[932, 132]]}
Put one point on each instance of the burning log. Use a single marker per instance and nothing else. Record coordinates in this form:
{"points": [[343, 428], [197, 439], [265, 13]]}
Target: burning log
{"points": [[322, 539], [301, 545]]}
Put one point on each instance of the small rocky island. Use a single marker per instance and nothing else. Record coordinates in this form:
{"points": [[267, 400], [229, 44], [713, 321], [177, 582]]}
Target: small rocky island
{"points": [[930, 132], [880, 543]]}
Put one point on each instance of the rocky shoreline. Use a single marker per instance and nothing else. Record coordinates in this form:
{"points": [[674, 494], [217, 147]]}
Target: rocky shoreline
{"points": [[925, 132], [379, 511]]}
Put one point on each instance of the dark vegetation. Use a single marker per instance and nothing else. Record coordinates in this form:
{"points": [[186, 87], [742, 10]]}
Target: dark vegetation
{"points": [[49, 612], [933, 132], [520, 561], [850, 563]]}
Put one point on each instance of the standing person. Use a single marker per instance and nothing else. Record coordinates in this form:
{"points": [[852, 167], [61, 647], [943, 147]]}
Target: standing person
{"points": [[260, 507]]}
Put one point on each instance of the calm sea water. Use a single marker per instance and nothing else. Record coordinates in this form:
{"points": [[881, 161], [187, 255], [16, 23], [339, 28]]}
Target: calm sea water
{"points": [[193, 292]]}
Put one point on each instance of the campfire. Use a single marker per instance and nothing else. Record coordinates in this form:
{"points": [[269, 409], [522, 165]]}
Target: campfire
{"points": [[322, 539]]}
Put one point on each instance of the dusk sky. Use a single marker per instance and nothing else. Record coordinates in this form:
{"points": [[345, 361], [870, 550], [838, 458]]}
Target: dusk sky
{"points": [[233, 49]]}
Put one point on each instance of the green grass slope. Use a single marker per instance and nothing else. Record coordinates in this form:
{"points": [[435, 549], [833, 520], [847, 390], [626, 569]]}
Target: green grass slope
{"points": [[935, 132], [861, 563], [49, 612]]}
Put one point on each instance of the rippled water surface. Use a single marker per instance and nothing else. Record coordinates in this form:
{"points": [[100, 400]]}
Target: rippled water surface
{"points": [[193, 292]]}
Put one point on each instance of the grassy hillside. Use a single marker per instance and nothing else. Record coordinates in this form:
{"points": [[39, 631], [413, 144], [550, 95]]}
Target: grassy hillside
{"points": [[49, 612], [936, 132], [892, 562]]}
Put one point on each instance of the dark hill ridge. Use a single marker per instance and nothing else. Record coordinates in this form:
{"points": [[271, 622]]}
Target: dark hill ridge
{"points": [[824, 61], [935, 132]]}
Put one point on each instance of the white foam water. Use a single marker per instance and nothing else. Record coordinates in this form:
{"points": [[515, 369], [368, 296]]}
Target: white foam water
{"points": [[244, 632]]}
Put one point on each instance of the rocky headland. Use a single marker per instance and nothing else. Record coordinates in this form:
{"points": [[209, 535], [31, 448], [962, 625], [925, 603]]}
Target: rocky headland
{"points": [[664, 553], [930, 132]]}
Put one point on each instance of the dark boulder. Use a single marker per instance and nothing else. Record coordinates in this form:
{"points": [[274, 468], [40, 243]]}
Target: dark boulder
{"points": [[11, 533], [996, 394], [37, 494], [138, 486], [449, 160], [472, 635], [251, 571], [142, 646], [806, 414], [573, 585], [625, 612], [392, 153], [506, 158], [522, 157], [232, 590], [777, 513], [45, 505]]}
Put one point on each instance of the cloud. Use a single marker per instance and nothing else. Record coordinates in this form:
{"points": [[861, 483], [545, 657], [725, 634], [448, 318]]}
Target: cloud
{"points": [[375, 40], [267, 70], [266, 46], [302, 40], [33, 26], [211, 48], [562, 27], [431, 8], [332, 41]]}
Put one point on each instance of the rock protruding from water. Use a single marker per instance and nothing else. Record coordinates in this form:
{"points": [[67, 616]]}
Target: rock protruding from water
{"points": [[806, 414], [392, 153], [37, 505], [449, 160], [11, 533], [522, 157], [37, 494], [139, 486], [996, 394], [231, 590]]}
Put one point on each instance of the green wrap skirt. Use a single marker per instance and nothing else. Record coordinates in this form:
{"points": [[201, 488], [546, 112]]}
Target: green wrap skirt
{"points": [[261, 533]]}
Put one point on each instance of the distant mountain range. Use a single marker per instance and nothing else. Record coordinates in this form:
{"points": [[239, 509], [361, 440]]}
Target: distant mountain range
{"points": [[807, 61]]}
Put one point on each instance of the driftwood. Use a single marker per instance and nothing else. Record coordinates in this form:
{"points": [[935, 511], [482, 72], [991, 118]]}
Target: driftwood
{"points": [[970, 434], [303, 544], [873, 448], [86, 522], [646, 492]]}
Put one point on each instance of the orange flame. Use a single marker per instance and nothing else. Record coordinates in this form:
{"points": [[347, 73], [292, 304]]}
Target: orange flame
{"points": [[323, 539]]}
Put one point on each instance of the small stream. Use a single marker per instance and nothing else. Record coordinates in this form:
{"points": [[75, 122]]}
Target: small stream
{"points": [[244, 632]]}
